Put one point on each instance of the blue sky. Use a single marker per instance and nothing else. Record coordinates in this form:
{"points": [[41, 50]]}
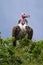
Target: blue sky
{"points": [[10, 11]]}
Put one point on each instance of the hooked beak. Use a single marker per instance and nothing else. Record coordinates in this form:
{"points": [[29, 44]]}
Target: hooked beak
{"points": [[27, 16]]}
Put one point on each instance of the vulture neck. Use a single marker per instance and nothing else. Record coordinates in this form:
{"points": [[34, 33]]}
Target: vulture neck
{"points": [[22, 27]]}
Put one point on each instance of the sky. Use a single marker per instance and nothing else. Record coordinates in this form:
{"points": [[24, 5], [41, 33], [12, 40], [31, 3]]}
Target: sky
{"points": [[10, 11]]}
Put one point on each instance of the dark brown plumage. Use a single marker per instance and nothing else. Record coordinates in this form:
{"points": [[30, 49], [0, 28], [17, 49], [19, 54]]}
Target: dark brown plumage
{"points": [[19, 34]]}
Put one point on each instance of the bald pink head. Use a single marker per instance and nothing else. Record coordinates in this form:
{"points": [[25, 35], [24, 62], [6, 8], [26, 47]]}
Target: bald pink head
{"points": [[23, 16]]}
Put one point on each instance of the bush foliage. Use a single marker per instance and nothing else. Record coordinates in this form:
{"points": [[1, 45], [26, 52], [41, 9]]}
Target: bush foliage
{"points": [[27, 52]]}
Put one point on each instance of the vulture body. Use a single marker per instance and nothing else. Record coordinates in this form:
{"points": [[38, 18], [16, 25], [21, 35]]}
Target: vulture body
{"points": [[22, 30]]}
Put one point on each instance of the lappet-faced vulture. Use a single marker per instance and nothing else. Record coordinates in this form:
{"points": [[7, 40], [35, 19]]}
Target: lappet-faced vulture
{"points": [[22, 29]]}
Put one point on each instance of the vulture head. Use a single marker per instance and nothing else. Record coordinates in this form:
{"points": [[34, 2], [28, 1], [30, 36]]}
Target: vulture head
{"points": [[22, 23], [22, 19]]}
